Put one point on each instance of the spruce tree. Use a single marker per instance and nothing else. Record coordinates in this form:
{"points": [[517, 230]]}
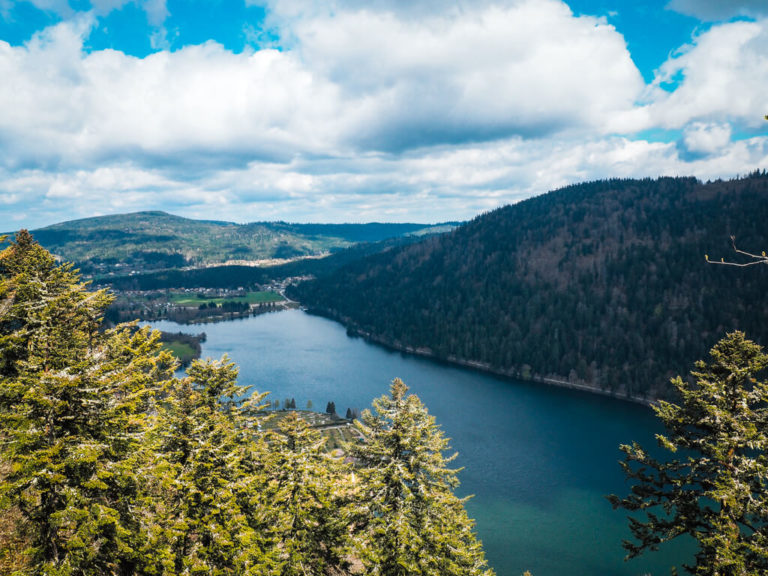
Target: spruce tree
{"points": [[204, 432], [410, 521], [712, 483], [42, 304], [309, 530], [73, 403]]}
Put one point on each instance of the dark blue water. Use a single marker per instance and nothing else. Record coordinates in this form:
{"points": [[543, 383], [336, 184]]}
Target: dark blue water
{"points": [[539, 460]]}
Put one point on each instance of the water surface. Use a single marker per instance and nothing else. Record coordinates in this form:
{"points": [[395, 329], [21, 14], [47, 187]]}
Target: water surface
{"points": [[538, 459]]}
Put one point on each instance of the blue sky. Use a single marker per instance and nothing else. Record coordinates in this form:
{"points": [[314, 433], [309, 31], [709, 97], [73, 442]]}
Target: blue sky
{"points": [[362, 110]]}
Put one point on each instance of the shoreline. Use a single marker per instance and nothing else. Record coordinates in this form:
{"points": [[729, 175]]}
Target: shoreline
{"points": [[476, 365]]}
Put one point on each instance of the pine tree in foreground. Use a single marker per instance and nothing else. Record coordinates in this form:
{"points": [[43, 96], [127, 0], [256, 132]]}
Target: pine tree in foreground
{"points": [[73, 404], [304, 491], [204, 433], [410, 521], [109, 465], [713, 486]]}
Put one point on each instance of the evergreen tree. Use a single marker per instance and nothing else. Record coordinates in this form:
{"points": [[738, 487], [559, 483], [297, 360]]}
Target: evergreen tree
{"points": [[205, 432], [714, 484], [410, 522], [74, 402], [110, 465], [310, 533], [39, 298]]}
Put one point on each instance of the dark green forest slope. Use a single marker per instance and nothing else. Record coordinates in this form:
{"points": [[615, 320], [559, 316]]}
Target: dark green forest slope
{"points": [[603, 284]]}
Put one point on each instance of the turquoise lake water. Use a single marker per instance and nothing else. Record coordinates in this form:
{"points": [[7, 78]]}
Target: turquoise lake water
{"points": [[539, 460]]}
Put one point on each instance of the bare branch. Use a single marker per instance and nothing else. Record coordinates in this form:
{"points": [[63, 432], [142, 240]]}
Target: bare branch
{"points": [[756, 259]]}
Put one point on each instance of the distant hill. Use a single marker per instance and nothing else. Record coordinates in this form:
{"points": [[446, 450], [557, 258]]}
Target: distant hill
{"points": [[603, 284], [156, 240], [232, 276]]}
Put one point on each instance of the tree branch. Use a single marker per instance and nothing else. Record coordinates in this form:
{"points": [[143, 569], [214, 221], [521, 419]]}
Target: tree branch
{"points": [[756, 259]]}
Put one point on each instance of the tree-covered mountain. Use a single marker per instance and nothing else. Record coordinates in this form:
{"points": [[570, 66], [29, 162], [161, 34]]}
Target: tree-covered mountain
{"points": [[603, 284], [157, 240]]}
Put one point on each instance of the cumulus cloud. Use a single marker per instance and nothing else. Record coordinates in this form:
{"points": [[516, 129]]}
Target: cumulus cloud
{"points": [[705, 139], [468, 72], [724, 74], [72, 108], [358, 81], [370, 110]]}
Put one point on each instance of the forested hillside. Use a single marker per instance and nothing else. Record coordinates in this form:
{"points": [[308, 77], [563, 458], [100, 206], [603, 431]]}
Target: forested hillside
{"points": [[156, 240], [232, 276], [603, 284]]}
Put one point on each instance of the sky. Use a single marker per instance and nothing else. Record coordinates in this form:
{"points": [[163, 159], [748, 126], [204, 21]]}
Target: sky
{"points": [[366, 110]]}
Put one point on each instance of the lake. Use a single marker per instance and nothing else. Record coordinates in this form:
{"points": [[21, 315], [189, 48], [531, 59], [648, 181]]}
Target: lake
{"points": [[538, 459]]}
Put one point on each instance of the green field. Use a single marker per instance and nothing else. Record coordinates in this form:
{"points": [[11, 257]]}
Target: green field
{"points": [[185, 299], [179, 349]]}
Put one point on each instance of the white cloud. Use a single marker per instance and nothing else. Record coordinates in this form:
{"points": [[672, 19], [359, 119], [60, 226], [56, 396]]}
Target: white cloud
{"points": [[75, 109], [373, 110], [157, 11], [701, 138], [438, 184], [724, 77], [358, 81], [482, 72]]}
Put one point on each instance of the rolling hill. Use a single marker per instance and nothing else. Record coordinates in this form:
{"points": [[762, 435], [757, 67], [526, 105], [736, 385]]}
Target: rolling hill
{"points": [[156, 240]]}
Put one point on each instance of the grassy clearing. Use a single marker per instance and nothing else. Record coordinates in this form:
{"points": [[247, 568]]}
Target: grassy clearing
{"points": [[179, 349], [336, 437], [183, 351], [184, 299]]}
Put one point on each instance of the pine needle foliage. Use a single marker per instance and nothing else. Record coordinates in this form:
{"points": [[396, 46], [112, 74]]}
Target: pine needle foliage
{"points": [[309, 528], [713, 485], [202, 435], [410, 521], [73, 403], [111, 465]]}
